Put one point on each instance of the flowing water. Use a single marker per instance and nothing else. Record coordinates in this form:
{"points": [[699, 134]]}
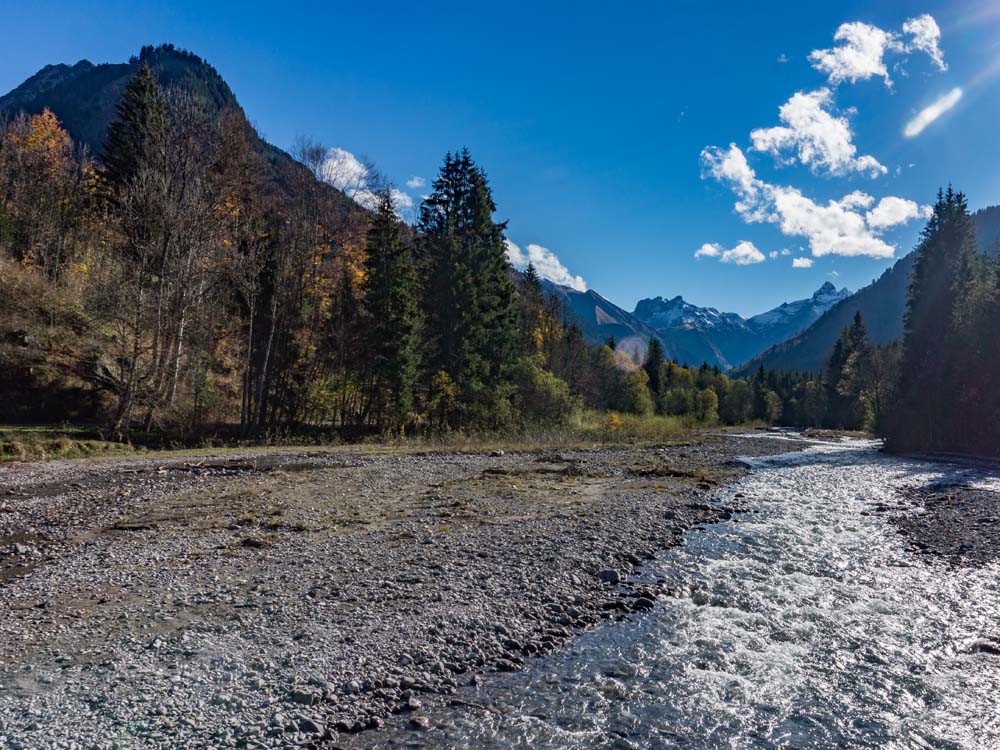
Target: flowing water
{"points": [[803, 623]]}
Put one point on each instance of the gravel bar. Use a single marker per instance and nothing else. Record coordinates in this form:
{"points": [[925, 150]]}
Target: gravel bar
{"points": [[280, 600]]}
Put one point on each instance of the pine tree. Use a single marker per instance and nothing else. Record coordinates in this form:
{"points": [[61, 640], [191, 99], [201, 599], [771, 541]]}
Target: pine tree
{"points": [[942, 273], [469, 299], [847, 374], [391, 318], [532, 282], [533, 311], [653, 366], [140, 117]]}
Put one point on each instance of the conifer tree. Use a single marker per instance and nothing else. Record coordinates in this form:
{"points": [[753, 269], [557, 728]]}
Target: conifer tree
{"points": [[391, 317], [140, 117], [654, 368], [469, 299], [533, 311], [942, 274], [847, 374]]}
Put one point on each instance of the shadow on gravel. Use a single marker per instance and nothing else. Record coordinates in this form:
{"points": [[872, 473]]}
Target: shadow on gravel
{"points": [[959, 524]]}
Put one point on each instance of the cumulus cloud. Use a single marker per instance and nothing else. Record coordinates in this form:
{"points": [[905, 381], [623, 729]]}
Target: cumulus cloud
{"points": [[819, 140], [926, 37], [546, 264], [415, 183], [344, 171], [744, 254], [802, 262], [861, 49], [932, 112], [859, 55], [892, 211], [837, 227]]}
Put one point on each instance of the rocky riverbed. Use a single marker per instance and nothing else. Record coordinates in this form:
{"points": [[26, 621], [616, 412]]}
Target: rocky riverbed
{"points": [[289, 599]]}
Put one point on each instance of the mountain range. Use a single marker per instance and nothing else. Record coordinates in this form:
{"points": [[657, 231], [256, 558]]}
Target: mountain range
{"points": [[690, 333]]}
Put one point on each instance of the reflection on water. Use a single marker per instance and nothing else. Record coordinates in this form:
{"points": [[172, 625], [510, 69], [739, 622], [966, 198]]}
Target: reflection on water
{"points": [[803, 624]]}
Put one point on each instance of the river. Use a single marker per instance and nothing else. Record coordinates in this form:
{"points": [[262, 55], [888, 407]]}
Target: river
{"points": [[805, 622]]}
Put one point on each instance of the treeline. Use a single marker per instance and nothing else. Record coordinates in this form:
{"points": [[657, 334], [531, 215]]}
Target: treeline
{"points": [[172, 284], [180, 283]]}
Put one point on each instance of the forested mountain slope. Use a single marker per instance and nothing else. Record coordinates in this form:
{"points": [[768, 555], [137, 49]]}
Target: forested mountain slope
{"points": [[881, 304]]}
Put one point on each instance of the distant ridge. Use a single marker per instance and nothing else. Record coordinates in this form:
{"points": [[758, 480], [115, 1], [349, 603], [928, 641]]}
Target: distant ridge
{"points": [[703, 334], [691, 334]]}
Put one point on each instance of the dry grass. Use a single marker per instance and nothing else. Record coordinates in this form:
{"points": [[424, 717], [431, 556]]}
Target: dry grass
{"points": [[586, 429]]}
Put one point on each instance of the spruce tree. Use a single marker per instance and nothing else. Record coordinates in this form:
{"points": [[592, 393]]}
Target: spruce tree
{"points": [[942, 273], [469, 299], [847, 372], [140, 117], [533, 311], [653, 366], [391, 317]]}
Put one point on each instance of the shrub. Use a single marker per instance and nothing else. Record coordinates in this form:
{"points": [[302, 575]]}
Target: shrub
{"points": [[540, 397]]}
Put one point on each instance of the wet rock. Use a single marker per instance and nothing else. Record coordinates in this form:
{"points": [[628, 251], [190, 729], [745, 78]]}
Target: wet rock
{"points": [[610, 575]]}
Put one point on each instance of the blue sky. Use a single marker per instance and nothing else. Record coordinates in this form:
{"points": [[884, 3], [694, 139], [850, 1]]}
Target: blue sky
{"points": [[593, 119]]}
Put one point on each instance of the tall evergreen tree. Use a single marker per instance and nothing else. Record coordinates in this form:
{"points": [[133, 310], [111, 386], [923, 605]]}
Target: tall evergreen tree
{"points": [[533, 310], [654, 368], [391, 317], [141, 116], [942, 274], [469, 300], [847, 375]]}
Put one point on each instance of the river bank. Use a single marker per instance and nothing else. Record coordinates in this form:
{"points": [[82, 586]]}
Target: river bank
{"points": [[288, 598], [810, 620]]}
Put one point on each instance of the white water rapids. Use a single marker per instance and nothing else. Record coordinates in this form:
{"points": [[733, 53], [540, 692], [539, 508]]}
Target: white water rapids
{"points": [[803, 623]]}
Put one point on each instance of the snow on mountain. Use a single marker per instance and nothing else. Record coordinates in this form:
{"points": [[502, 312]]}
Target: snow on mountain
{"points": [[703, 334]]}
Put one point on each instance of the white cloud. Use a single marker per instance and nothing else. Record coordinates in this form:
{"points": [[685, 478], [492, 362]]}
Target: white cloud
{"points": [[744, 254], [546, 263], [802, 262], [930, 113], [401, 200], [773, 254], [415, 183], [786, 251], [926, 38], [860, 54], [892, 211], [820, 140], [782, 58], [835, 228], [346, 172]]}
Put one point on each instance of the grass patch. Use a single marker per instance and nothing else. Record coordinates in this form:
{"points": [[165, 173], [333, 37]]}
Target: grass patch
{"points": [[41, 443], [584, 429]]}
